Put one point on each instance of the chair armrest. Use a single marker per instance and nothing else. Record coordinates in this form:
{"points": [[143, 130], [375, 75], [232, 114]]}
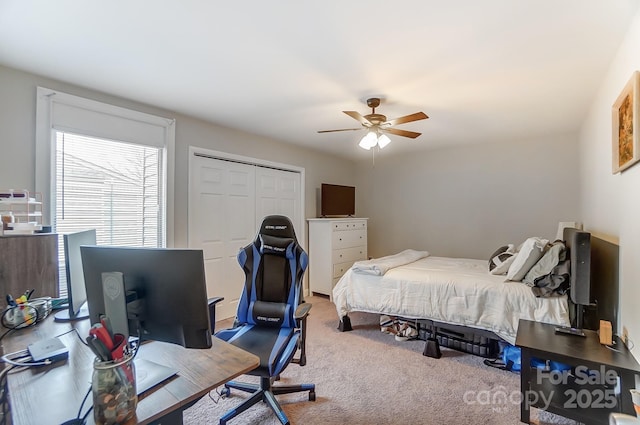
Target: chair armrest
{"points": [[211, 302], [302, 311], [214, 301]]}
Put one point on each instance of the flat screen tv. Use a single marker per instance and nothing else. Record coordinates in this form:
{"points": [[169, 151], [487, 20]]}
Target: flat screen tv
{"points": [[336, 200]]}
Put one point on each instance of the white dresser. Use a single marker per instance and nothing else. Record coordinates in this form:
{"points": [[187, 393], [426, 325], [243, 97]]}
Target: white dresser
{"points": [[334, 245]]}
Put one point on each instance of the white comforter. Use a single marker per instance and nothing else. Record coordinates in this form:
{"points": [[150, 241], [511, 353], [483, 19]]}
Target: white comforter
{"points": [[451, 290]]}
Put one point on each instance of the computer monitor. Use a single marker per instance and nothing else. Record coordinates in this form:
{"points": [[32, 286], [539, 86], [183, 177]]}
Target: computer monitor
{"points": [[76, 293], [165, 291]]}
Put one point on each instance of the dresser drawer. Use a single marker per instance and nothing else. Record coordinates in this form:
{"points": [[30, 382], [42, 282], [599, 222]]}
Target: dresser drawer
{"points": [[349, 239], [349, 254], [341, 268], [334, 245], [349, 225]]}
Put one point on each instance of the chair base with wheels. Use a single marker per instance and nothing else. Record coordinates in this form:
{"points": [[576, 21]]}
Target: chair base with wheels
{"points": [[265, 392]]}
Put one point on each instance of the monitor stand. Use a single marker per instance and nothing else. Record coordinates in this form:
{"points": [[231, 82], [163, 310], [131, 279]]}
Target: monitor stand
{"points": [[66, 316]]}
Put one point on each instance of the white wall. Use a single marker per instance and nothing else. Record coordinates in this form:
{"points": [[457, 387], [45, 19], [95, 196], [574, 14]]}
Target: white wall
{"points": [[611, 203], [468, 201], [17, 143]]}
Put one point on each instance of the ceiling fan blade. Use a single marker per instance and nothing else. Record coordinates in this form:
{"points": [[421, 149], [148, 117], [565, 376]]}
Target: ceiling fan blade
{"points": [[358, 117], [403, 133], [407, 118], [342, 129]]}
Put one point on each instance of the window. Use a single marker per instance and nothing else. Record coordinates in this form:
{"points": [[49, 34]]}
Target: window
{"points": [[103, 167], [109, 186]]}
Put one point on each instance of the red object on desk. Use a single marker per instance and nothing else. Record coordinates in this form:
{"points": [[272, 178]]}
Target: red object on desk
{"points": [[102, 334], [120, 347]]}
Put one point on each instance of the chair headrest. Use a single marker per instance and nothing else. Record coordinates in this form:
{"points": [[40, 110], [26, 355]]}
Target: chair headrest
{"points": [[279, 226], [273, 245]]}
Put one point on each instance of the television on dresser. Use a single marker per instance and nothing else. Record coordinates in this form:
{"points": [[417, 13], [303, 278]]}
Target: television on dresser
{"points": [[337, 200]]}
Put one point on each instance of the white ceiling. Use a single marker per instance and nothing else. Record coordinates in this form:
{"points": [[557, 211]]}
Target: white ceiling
{"points": [[483, 71]]}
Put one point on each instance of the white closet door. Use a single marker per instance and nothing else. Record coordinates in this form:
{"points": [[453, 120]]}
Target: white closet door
{"points": [[221, 221], [278, 192]]}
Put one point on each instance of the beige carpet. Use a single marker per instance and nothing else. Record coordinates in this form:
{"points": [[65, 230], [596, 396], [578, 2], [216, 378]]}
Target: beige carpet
{"points": [[367, 377]]}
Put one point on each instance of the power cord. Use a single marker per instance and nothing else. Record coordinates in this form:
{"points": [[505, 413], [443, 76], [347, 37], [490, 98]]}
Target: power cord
{"points": [[220, 394], [22, 354], [81, 420], [82, 405], [13, 360], [10, 328], [32, 317]]}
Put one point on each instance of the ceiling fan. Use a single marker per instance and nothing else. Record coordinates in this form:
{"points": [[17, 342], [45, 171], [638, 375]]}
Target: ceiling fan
{"points": [[377, 124]]}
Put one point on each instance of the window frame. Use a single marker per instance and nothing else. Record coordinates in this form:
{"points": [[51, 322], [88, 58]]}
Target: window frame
{"points": [[51, 104]]}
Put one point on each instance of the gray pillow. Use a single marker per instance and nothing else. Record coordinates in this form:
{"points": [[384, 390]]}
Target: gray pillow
{"points": [[549, 260]]}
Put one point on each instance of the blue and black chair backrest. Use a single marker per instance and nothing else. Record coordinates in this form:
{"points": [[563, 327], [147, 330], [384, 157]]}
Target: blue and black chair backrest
{"points": [[274, 265]]}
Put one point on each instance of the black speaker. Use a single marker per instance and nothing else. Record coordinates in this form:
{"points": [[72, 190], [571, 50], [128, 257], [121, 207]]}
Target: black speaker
{"points": [[579, 246]]}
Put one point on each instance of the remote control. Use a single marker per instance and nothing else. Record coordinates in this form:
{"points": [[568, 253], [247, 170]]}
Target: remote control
{"points": [[569, 331]]}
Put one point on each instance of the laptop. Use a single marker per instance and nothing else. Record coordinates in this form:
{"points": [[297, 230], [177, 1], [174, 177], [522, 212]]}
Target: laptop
{"points": [[149, 374]]}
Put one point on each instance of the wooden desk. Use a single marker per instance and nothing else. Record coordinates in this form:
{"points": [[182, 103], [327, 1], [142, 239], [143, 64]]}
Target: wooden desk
{"points": [[591, 399], [53, 394]]}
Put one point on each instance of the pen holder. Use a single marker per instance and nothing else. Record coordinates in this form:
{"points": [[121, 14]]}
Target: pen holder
{"points": [[114, 390]]}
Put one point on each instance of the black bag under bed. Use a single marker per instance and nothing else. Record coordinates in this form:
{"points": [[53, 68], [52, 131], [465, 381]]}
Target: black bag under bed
{"points": [[473, 341]]}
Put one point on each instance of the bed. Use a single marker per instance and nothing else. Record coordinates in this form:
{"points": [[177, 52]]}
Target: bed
{"points": [[450, 291], [473, 306]]}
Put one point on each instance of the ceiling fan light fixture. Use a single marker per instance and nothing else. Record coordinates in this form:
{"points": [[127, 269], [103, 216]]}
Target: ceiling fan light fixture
{"points": [[376, 123], [369, 140], [383, 140]]}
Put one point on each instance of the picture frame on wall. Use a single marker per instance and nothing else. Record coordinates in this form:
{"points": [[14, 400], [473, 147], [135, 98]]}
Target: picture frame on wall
{"points": [[626, 134]]}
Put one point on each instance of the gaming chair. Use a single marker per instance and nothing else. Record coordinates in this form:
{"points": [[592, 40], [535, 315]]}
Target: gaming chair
{"points": [[271, 316]]}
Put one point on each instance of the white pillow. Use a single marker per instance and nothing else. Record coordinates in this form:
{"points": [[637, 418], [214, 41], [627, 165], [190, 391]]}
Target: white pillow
{"points": [[531, 251], [501, 259], [503, 267]]}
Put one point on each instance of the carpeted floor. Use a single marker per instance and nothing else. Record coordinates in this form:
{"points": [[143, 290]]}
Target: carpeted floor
{"points": [[365, 377]]}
